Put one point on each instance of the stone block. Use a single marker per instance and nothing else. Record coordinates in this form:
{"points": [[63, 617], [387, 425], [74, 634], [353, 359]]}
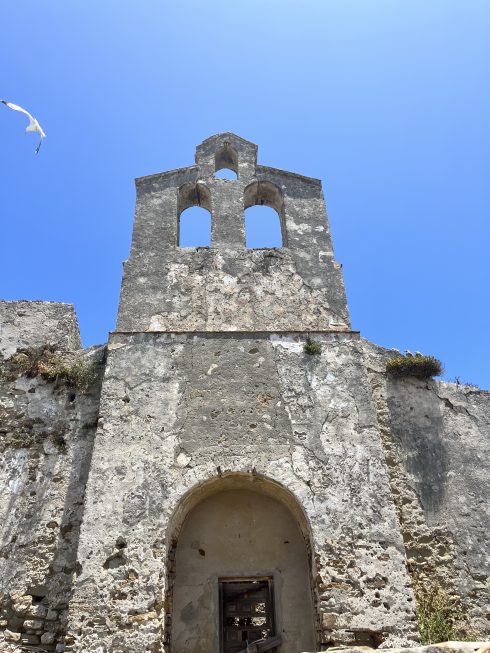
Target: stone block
{"points": [[47, 638], [37, 610], [146, 616], [22, 603], [329, 620]]}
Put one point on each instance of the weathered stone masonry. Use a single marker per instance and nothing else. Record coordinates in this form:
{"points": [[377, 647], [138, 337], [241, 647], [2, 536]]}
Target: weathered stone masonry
{"points": [[223, 450], [47, 431]]}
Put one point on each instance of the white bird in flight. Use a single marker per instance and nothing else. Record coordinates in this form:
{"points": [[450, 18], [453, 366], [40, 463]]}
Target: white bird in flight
{"points": [[33, 125]]}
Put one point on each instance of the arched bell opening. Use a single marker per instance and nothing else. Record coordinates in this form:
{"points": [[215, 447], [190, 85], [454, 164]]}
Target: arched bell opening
{"points": [[226, 162], [264, 216], [194, 215], [239, 569], [226, 173]]}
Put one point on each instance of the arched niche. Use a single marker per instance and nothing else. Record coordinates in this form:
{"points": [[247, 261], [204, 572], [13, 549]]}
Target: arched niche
{"points": [[265, 193], [194, 195], [226, 157], [238, 531], [226, 173]]}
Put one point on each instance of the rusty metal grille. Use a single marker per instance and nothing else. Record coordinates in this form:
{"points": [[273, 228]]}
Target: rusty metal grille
{"points": [[246, 612]]}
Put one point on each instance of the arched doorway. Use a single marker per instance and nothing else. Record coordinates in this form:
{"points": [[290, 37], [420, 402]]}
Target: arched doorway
{"points": [[241, 571]]}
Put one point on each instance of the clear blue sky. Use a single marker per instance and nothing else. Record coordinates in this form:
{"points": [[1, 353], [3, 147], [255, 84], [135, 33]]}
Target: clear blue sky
{"points": [[386, 101]]}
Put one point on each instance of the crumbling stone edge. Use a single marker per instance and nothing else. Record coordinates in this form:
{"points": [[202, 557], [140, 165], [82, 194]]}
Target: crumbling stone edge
{"points": [[442, 647]]}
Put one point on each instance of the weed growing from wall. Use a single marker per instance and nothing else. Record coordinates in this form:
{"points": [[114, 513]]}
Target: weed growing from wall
{"points": [[51, 365], [422, 367], [312, 348], [468, 384], [440, 616]]}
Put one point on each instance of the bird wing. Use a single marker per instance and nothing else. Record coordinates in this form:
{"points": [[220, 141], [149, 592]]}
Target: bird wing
{"points": [[33, 125], [16, 107]]}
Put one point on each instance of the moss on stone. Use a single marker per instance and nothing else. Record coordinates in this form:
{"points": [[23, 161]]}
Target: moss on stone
{"points": [[20, 439]]}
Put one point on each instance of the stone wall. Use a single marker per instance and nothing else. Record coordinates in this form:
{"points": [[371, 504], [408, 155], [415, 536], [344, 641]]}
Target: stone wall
{"points": [[180, 412], [31, 324], [47, 427], [436, 437]]}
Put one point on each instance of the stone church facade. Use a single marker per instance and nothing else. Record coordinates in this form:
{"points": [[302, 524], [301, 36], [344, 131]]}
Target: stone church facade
{"points": [[211, 483]]}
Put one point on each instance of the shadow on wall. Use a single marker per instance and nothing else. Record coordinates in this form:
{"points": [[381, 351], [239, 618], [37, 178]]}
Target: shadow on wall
{"points": [[64, 563], [416, 424]]}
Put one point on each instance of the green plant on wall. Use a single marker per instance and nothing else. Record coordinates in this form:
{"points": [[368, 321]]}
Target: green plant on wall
{"points": [[49, 364], [312, 348], [440, 616], [419, 366]]}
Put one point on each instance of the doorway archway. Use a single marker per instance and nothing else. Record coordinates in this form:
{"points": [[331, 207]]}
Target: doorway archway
{"points": [[240, 569]]}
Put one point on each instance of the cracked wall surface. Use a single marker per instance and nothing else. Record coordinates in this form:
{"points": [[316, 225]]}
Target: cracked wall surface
{"points": [[436, 437]]}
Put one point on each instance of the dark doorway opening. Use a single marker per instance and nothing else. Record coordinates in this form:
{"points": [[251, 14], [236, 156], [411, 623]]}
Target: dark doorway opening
{"points": [[246, 612]]}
